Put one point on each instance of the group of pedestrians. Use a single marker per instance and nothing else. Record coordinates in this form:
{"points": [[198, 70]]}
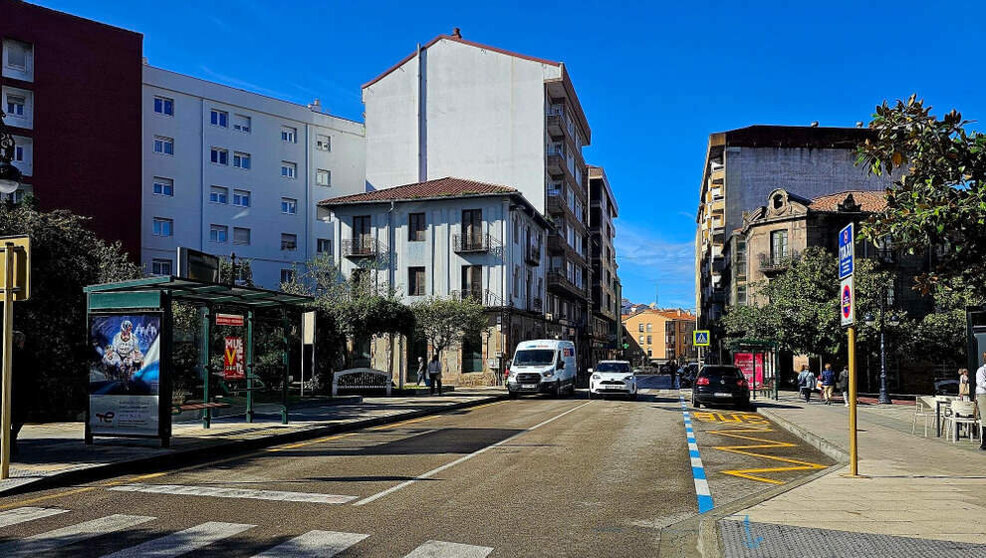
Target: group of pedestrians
{"points": [[827, 382], [431, 374]]}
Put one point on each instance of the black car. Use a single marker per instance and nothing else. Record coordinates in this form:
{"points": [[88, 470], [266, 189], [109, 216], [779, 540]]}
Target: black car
{"points": [[720, 385]]}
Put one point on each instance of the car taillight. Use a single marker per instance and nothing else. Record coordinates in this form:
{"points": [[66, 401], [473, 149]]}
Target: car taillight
{"points": [[702, 381]]}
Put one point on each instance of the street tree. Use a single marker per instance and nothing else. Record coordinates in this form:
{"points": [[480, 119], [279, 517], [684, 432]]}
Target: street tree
{"points": [[939, 200], [445, 322]]}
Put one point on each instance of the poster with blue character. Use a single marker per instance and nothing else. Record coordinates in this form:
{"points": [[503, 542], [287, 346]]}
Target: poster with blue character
{"points": [[124, 374]]}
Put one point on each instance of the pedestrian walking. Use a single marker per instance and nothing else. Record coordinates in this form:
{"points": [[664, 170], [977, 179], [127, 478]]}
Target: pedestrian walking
{"points": [[843, 385], [963, 384], [828, 384], [435, 375], [421, 370], [806, 381], [981, 399]]}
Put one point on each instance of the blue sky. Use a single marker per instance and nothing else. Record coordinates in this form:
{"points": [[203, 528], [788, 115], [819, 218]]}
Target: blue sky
{"points": [[654, 78]]}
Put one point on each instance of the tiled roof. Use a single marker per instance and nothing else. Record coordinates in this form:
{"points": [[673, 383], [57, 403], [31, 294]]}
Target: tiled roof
{"points": [[869, 201], [448, 187]]}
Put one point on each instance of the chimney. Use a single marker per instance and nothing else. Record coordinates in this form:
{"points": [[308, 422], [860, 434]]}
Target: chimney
{"points": [[814, 124], [315, 106], [457, 33], [859, 124]]}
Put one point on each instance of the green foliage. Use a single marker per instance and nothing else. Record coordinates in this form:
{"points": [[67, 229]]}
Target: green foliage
{"points": [[940, 337], [65, 257], [444, 322], [940, 198]]}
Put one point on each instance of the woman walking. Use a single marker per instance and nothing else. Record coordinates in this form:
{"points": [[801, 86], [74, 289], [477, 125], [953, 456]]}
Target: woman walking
{"points": [[806, 381]]}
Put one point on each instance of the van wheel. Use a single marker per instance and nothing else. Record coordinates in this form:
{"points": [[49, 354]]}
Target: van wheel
{"points": [[513, 394]]}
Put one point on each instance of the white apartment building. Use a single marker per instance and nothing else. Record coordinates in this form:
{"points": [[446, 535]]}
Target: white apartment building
{"points": [[458, 108], [230, 171], [450, 237]]}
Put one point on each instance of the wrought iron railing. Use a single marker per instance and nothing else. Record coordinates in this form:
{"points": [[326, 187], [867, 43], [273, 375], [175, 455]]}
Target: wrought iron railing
{"points": [[360, 247]]}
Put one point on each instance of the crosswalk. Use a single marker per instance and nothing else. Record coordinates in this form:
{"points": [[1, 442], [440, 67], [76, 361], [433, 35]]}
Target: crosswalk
{"points": [[186, 542]]}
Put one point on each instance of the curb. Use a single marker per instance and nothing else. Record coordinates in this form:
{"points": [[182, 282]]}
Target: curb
{"points": [[828, 448], [231, 448]]}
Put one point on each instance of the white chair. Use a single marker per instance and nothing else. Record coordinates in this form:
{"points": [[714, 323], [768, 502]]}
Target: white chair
{"points": [[924, 408], [959, 413]]}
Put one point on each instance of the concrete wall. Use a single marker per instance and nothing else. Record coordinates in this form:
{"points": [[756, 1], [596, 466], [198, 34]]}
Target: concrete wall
{"points": [[194, 174]]}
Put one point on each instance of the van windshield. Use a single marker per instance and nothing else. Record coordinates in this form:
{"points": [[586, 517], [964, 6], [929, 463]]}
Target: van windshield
{"points": [[534, 357]]}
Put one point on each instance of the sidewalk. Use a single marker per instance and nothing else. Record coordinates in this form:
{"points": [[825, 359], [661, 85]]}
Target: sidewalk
{"points": [[926, 488], [55, 453]]}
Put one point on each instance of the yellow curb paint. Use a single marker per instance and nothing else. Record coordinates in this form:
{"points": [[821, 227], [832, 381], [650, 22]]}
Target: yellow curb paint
{"points": [[48, 497]]}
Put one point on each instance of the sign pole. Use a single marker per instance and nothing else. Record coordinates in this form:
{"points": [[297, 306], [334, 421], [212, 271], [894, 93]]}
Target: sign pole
{"points": [[853, 455], [8, 357], [847, 307]]}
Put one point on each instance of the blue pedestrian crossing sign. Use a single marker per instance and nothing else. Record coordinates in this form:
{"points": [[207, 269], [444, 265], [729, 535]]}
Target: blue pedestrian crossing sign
{"points": [[700, 338]]}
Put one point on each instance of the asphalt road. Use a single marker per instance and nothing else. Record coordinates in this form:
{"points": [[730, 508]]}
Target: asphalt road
{"points": [[531, 477]]}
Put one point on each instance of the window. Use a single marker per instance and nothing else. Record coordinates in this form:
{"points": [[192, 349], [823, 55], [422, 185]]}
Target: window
{"points": [[649, 328], [288, 169], [164, 186], [289, 206], [416, 281], [241, 160], [163, 227], [778, 245], [241, 123], [17, 60], [164, 106], [160, 266], [219, 194], [164, 146], [241, 235], [640, 327], [219, 156], [19, 153], [323, 246], [287, 275], [649, 341], [219, 118], [323, 142], [241, 198], [516, 230], [416, 227], [289, 241], [15, 105], [218, 233], [640, 340], [323, 177], [289, 134]]}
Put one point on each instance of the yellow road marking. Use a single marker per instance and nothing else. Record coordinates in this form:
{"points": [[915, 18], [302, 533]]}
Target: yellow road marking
{"points": [[766, 443]]}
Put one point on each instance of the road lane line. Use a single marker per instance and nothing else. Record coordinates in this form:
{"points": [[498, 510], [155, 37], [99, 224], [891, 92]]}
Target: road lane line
{"points": [[248, 493], [314, 543], [183, 542], [702, 491], [48, 497], [462, 459], [441, 549], [21, 515], [47, 542]]}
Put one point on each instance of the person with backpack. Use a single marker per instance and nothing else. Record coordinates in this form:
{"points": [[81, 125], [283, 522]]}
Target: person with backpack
{"points": [[806, 381]]}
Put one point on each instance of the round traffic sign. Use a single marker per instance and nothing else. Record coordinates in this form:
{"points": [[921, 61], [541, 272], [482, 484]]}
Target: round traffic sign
{"points": [[846, 301]]}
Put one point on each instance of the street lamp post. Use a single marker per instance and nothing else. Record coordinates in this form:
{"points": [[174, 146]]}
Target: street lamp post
{"points": [[870, 321]]}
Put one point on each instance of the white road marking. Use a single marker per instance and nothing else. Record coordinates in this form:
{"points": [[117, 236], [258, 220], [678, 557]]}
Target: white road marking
{"points": [[462, 459], [183, 542], [314, 543], [249, 493], [20, 515], [439, 549], [47, 542]]}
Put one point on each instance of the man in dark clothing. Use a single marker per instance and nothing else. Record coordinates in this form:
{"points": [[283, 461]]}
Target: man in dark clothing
{"points": [[828, 383], [435, 374]]}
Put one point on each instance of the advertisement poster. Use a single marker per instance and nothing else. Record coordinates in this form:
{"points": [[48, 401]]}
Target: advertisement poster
{"points": [[124, 374], [233, 367], [745, 363]]}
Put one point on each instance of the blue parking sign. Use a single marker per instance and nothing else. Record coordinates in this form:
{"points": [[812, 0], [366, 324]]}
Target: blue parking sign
{"points": [[847, 251]]}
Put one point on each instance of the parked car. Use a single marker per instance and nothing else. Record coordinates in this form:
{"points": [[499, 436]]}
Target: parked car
{"points": [[612, 377], [721, 385], [949, 386], [542, 366]]}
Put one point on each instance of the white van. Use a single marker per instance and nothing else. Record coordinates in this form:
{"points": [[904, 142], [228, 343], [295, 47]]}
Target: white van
{"points": [[542, 366]]}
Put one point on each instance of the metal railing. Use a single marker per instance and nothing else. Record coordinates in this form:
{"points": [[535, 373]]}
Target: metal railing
{"points": [[774, 263], [360, 247], [470, 243]]}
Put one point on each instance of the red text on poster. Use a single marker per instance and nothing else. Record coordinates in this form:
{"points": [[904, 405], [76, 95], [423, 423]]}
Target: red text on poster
{"points": [[233, 366]]}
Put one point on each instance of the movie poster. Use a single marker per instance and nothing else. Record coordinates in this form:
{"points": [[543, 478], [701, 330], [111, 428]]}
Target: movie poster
{"points": [[124, 378], [745, 361]]}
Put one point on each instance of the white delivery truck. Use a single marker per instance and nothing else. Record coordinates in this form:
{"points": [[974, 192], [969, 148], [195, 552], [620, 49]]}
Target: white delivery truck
{"points": [[542, 366]]}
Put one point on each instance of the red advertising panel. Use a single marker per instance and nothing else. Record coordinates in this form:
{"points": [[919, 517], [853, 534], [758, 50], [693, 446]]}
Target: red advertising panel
{"points": [[233, 366], [229, 320], [745, 362]]}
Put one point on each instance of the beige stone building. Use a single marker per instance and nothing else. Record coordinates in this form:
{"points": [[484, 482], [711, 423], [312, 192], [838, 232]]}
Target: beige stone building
{"points": [[662, 335]]}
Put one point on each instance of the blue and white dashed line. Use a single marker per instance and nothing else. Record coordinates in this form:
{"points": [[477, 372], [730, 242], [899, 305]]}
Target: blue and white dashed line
{"points": [[698, 470]]}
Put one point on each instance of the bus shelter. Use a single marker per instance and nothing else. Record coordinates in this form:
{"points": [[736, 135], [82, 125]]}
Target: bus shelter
{"points": [[131, 347], [757, 358]]}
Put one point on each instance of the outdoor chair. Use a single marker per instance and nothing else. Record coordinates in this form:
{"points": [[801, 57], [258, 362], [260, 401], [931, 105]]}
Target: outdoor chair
{"points": [[959, 413], [924, 408]]}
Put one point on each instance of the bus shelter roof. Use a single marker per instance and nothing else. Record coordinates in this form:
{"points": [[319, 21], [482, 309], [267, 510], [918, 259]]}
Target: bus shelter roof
{"points": [[204, 292]]}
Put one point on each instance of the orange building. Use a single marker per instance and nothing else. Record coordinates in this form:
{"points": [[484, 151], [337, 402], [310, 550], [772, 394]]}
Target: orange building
{"points": [[662, 335]]}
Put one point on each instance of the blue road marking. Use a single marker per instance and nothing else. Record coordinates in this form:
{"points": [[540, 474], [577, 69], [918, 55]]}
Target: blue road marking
{"points": [[702, 492]]}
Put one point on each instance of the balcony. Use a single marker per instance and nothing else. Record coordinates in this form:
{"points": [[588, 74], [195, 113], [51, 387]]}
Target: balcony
{"points": [[555, 162], [771, 264], [559, 281], [470, 243], [555, 124], [361, 248], [532, 254], [473, 292], [536, 305]]}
